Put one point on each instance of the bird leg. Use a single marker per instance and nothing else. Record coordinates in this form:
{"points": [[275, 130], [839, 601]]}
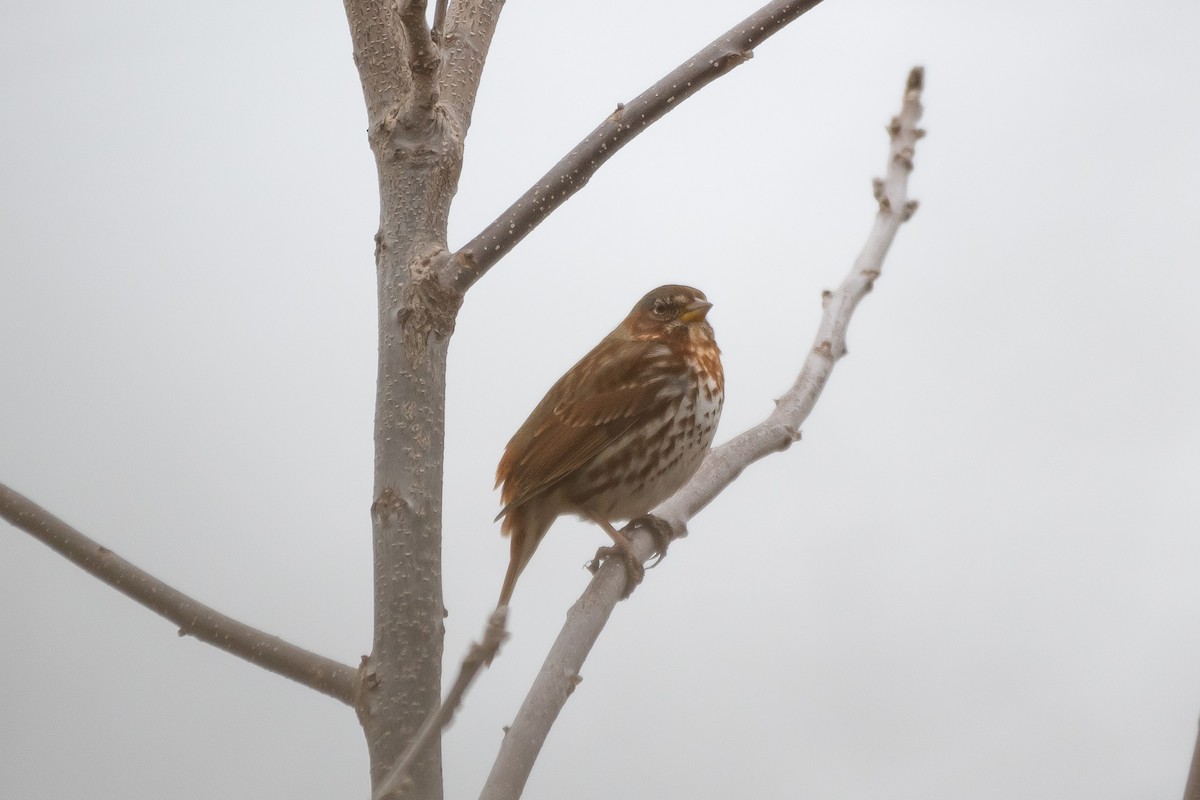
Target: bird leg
{"points": [[621, 547]]}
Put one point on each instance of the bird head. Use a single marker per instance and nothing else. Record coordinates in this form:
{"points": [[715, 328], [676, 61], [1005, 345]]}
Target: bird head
{"points": [[668, 310]]}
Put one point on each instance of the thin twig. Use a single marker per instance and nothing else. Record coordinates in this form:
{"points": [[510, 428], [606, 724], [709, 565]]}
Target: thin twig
{"points": [[572, 173], [439, 21], [397, 781], [586, 619], [782, 427], [193, 618]]}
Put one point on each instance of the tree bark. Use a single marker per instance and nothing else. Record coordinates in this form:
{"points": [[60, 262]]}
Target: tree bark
{"points": [[418, 170], [418, 95]]}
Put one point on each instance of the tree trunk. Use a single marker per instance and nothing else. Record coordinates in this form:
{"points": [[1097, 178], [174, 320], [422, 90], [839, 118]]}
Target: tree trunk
{"points": [[402, 678], [419, 86]]}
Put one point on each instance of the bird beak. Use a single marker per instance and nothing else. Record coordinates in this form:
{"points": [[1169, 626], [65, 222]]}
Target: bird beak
{"points": [[696, 311]]}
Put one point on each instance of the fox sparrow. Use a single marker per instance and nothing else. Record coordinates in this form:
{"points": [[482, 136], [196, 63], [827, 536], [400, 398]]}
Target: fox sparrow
{"points": [[621, 432]]}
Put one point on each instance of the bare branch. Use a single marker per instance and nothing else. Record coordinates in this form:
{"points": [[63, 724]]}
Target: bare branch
{"points": [[439, 21], [585, 621], [397, 63], [574, 171], [193, 618], [397, 781], [1192, 790], [782, 427], [466, 37]]}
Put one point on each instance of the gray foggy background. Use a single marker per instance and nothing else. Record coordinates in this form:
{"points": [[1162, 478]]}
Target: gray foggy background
{"points": [[976, 576]]}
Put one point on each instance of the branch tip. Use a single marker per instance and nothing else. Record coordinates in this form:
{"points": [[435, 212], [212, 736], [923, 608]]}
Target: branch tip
{"points": [[916, 80]]}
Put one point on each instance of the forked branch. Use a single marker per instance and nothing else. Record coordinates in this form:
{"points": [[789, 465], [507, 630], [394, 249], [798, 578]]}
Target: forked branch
{"points": [[423, 58], [193, 618], [573, 172], [587, 617]]}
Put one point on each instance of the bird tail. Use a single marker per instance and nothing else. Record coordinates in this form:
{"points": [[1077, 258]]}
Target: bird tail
{"points": [[510, 580], [526, 531]]}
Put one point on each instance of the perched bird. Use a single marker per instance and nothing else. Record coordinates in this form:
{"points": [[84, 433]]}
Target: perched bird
{"points": [[621, 432]]}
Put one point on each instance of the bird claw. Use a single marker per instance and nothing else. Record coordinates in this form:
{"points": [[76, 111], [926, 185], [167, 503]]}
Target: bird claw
{"points": [[661, 533], [634, 570]]}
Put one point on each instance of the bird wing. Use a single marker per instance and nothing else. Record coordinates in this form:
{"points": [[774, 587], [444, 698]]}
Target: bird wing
{"points": [[597, 401]]}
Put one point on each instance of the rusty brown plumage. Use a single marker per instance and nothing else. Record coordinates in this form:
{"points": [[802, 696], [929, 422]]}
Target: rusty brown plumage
{"points": [[621, 431]]}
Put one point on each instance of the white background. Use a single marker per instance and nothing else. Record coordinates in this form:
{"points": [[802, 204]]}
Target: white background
{"points": [[977, 576]]}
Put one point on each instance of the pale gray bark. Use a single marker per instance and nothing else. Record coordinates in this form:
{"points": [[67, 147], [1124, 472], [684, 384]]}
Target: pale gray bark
{"points": [[418, 95]]}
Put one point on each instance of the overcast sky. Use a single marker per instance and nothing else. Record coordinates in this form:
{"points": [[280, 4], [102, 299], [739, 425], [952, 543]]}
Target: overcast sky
{"points": [[976, 577]]}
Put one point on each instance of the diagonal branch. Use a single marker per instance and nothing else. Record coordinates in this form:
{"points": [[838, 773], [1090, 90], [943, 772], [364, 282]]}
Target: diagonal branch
{"points": [[782, 426], [573, 172], [193, 618], [587, 617]]}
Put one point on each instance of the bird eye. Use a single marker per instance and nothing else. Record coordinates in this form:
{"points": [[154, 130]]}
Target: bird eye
{"points": [[660, 307]]}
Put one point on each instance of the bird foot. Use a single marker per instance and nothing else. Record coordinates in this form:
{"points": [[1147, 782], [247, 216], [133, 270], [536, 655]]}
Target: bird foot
{"points": [[660, 531], [634, 570]]}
